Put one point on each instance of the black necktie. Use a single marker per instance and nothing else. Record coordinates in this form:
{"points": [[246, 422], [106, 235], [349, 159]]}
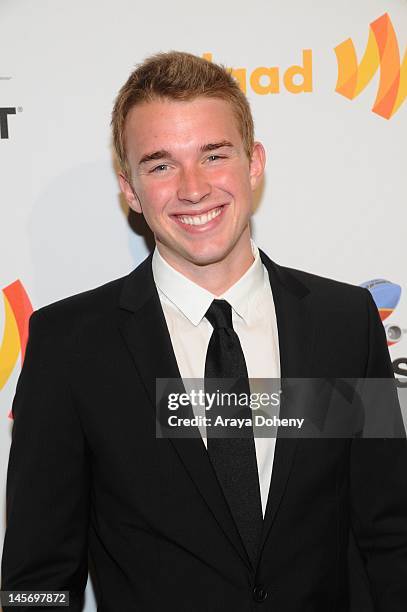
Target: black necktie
{"points": [[233, 458]]}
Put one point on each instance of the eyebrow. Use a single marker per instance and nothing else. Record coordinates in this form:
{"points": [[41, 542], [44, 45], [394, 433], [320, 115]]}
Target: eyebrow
{"points": [[216, 145], [162, 154], [153, 156]]}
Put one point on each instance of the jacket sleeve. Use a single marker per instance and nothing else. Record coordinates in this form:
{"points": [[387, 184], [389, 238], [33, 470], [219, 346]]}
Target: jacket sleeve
{"points": [[48, 477], [379, 488]]}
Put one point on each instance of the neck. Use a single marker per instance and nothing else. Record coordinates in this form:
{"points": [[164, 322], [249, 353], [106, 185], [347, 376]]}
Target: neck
{"points": [[218, 276]]}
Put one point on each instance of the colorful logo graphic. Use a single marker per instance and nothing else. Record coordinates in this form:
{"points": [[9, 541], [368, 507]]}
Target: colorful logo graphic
{"points": [[17, 309], [381, 51], [386, 296]]}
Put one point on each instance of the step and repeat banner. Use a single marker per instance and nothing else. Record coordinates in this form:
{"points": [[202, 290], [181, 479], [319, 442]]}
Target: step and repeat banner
{"points": [[327, 83]]}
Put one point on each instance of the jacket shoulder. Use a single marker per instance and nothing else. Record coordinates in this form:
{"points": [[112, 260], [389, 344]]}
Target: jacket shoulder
{"points": [[314, 282], [81, 309], [327, 294]]}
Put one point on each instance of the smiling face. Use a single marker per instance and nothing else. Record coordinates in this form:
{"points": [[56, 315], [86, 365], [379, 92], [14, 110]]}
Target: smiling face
{"points": [[192, 181]]}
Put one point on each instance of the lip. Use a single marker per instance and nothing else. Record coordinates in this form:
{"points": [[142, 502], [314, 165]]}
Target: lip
{"points": [[188, 213], [197, 229]]}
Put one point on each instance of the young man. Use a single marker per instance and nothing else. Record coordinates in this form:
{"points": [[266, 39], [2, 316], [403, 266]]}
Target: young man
{"points": [[198, 524]]}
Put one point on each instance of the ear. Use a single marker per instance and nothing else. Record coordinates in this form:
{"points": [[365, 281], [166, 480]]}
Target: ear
{"points": [[257, 164], [129, 193]]}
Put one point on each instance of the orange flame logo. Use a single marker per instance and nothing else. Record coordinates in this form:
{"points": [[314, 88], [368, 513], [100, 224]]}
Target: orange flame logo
{"points": [[17, 308], [381, 51]]}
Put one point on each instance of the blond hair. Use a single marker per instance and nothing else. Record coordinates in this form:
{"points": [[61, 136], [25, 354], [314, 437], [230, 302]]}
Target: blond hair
{"points": [[178, 76]]}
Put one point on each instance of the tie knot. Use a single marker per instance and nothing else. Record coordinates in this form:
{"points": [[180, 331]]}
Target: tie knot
{"points": [[219, 314]]}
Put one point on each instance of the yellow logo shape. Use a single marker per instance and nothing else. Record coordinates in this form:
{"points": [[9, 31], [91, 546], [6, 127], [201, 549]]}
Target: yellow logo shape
{"points": [[381, 51]]}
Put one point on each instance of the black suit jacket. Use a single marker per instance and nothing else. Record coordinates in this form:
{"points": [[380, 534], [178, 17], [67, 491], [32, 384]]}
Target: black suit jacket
{"points": [[87, 471]]}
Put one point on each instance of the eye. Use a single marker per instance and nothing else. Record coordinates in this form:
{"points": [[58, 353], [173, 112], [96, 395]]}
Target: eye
{"points": [[159, 169], [215, 157]]}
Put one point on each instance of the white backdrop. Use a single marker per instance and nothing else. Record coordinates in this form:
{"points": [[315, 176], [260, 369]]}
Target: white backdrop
{"points": [[333, 200]]}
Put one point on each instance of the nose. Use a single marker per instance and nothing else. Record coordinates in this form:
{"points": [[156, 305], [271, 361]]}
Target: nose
{"points": [[193, 185]]}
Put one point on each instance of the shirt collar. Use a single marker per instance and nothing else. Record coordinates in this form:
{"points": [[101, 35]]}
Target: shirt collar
{"points": [[193, 301]]}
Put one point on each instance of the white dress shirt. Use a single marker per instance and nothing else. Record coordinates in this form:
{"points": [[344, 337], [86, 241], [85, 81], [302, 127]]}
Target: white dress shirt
{"points": [[253, 315]]}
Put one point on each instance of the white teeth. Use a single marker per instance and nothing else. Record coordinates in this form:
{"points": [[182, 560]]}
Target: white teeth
{"points": [[200, 219]]}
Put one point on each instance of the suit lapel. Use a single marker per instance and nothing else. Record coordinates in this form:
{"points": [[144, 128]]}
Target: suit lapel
{"points": [[295, 335], [144, 330]]}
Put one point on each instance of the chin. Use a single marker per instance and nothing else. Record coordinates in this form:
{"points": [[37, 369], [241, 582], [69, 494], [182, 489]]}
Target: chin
{"points": [[207, 258], [198, 255]]}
